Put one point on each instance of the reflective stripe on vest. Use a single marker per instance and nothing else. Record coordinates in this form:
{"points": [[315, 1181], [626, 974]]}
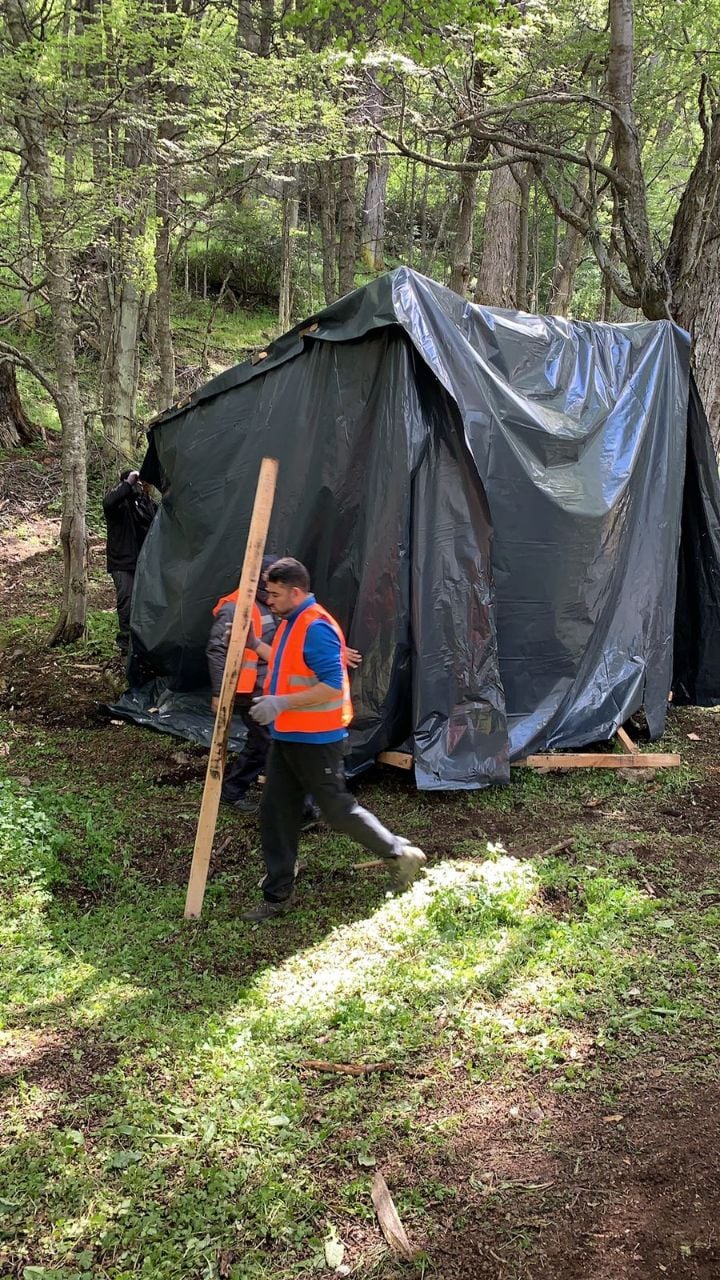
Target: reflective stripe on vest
{"points": [[294, 674], [248, 671]]}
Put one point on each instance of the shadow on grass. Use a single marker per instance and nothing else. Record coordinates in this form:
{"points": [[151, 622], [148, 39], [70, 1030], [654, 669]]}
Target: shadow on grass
{"points": [[161, 1122]]}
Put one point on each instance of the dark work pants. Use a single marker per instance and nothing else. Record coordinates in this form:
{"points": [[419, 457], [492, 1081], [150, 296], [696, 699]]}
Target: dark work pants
{"points": [[123, 593], [293, 769], [241, 771]]}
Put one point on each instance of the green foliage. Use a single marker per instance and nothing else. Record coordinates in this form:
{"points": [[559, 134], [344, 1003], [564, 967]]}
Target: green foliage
{"points": [[245, 252], [30, 845], [195, 1140]]}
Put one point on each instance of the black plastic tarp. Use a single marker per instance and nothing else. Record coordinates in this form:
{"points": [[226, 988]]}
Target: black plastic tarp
{"points": [[490, 503]]}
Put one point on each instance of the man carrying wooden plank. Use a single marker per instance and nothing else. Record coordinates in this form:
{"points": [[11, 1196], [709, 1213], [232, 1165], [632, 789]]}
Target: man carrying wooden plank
{"points": [[307, 705]]}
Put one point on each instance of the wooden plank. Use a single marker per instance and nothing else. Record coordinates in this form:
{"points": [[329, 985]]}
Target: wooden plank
{"points": [[249, 578], [600, 760], [400, 759], [626, 741], [390, 1224]]}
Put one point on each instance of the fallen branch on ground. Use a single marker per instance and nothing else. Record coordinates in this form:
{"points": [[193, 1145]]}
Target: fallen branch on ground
{"points": [[346, 1068], [562, 847], [390, 1224]]}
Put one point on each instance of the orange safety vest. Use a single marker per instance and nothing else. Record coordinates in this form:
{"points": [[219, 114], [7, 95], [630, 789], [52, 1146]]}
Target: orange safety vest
{"points": [[248, 671], [294, 674]]}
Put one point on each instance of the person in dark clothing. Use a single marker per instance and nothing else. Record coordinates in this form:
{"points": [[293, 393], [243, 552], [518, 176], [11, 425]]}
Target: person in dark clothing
{"points": [[129, 512], [243, 770]]}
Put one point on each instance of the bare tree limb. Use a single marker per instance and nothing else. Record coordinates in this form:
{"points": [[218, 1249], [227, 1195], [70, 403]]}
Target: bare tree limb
{"points": [[9, 352]]}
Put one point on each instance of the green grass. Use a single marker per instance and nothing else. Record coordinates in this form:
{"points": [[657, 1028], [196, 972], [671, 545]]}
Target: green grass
{"points": [[233, 333], [174, 1134], [31, 630]]}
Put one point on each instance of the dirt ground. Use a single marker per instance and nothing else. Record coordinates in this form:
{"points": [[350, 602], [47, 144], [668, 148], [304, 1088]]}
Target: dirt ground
{"points": [[623, 1191]]}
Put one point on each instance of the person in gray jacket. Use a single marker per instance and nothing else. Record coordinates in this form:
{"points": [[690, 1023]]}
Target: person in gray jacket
{"points": [[243, 770]]}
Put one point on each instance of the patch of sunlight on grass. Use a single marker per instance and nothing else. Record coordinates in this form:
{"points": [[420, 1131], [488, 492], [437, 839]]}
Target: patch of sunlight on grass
{"points": [[308, 985]]}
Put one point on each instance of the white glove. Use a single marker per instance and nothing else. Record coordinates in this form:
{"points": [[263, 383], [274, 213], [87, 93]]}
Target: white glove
{"points": [[265, 710]]}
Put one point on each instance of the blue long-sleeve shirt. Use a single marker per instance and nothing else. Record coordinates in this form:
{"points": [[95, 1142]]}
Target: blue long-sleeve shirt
{"points": [[322, 653]]}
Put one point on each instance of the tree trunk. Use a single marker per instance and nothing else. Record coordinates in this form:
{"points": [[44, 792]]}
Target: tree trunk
{"points": [[309, 238], [73, 530], [522, 177], [563, 276], [267, 24], [246, 34], [497, 277], [26, 309], [346, 251], [423, 218], [328, 231], [650, 284], [56, 253], [463, 246], [467, 198], [15, 427], [135, 152], [163, 294], [119, 381], [372, 233], [698, 310], [438, 241], [289, 226]]}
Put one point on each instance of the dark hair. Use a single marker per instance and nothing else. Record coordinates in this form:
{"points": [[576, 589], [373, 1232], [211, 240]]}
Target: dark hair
{"points": [[291, 573], [124, 474]]}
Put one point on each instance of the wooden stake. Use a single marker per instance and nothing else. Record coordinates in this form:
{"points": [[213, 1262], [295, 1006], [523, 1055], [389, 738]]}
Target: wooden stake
{"points": [[626, 741], [252, 564]]}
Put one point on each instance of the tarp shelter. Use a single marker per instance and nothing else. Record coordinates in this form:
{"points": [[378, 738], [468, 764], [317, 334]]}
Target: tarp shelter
{"points": [[490, 503]]}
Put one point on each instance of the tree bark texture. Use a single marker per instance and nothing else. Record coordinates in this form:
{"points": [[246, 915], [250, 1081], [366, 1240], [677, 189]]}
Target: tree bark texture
{"points": [[346, 249], [289, 226], [15, 428], [119, 375], [497, 277], [467, 198], [563, 276], [372, 232], [650, 284], [163, 293], [328, 230], [698, 311], [523, 179], [463, 244], [26, 309], [246, 32], [267, 25], [58, 265]]}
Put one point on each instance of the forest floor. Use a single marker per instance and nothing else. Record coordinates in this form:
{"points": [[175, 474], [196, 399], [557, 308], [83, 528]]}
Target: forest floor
{"points": [[548, 1023]]}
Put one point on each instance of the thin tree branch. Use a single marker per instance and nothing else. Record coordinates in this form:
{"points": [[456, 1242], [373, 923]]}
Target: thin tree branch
{"points": [[9, 352]]}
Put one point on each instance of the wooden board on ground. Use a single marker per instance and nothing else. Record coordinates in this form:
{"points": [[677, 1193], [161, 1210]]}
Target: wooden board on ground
{"points": [[400, 759], [249, 578], [630, 758], [600, 760]]}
